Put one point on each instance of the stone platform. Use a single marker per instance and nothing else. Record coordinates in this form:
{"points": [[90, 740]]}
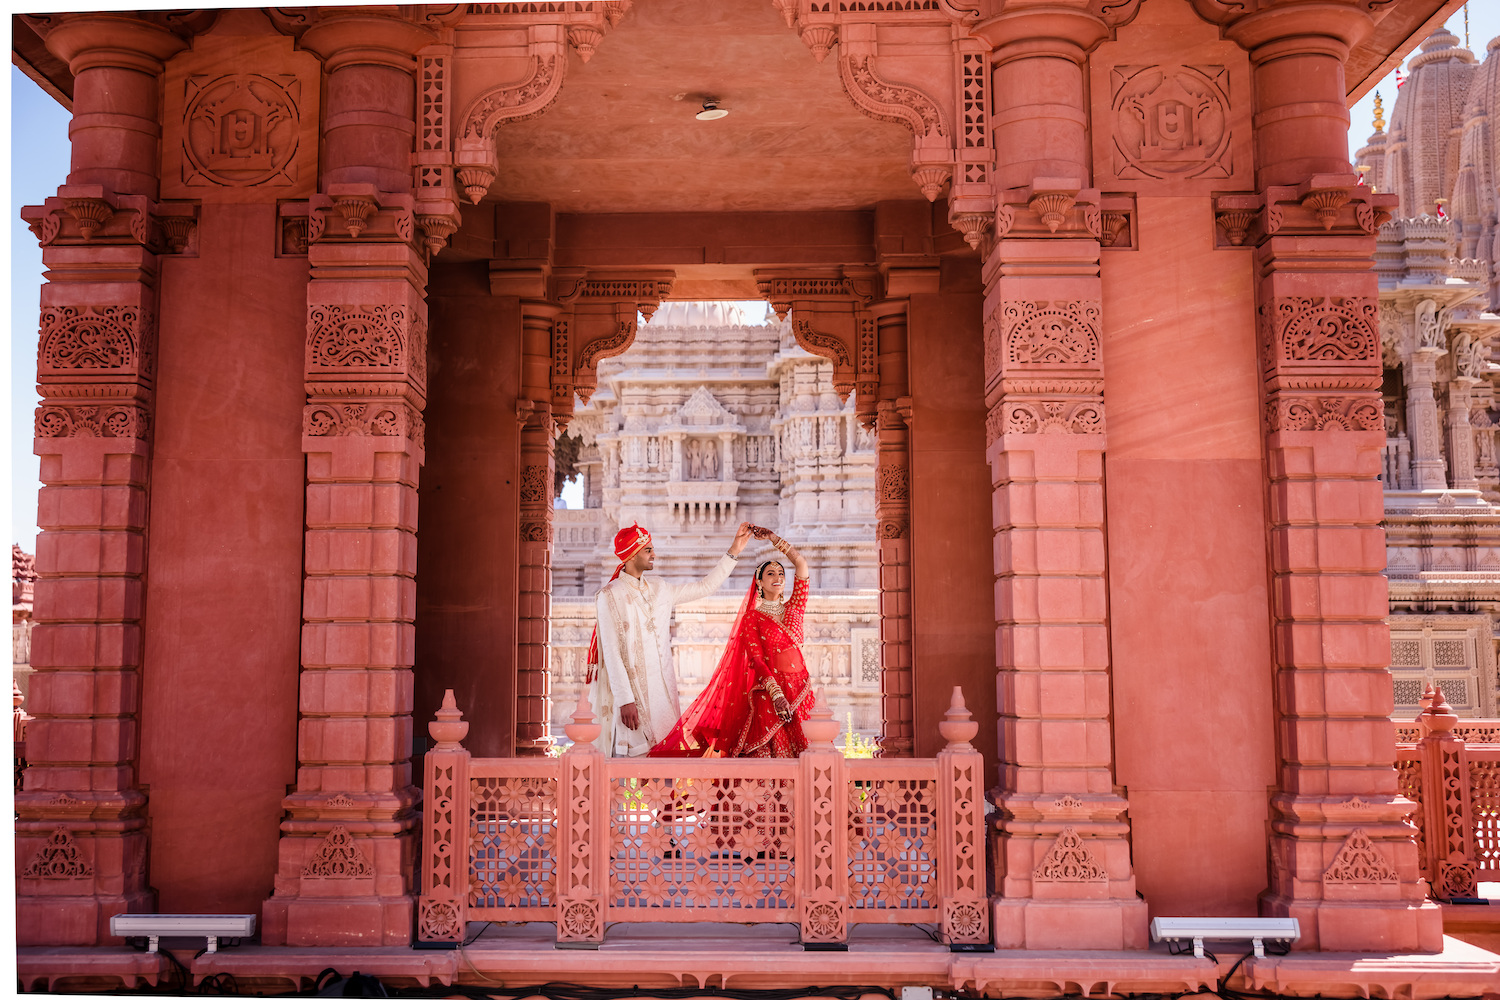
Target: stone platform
{"points": [[731, 956]]}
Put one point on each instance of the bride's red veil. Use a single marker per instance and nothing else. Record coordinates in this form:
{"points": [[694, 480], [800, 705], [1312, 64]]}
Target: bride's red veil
{"points": [[713, 723]]}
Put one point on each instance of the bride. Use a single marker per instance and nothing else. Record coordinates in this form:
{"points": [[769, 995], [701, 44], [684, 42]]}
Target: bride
{"points": [[759, 696]]}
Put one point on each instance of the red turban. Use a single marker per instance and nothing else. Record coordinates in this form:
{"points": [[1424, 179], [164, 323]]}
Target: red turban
{"points": [[628, 541]]}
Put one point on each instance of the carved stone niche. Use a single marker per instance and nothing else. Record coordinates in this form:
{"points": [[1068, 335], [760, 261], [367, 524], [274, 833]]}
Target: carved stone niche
{"points": [[1171, 106], [233, 134]]}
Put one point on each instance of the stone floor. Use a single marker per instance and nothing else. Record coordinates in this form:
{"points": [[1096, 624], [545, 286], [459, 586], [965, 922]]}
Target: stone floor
{"points": [[708, 955]]}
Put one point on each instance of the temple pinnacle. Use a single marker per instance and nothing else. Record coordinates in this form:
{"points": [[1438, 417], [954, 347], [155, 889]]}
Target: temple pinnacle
{"points": [[1379, 113]]}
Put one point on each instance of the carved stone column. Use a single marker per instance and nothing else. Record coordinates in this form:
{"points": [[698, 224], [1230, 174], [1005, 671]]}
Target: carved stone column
{"points": [[1325, 436], [81, 828], [893, 518], [346, 859], [538, 439], [893, 530], [1423, 424], [1062, 855], [1461, 433]]}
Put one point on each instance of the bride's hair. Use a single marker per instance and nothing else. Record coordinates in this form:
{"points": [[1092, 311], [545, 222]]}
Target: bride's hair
{"points": [[760, 571]]}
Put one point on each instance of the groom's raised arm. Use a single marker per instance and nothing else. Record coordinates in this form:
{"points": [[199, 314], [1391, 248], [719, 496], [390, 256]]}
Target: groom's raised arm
{"points": [[716, 576]]}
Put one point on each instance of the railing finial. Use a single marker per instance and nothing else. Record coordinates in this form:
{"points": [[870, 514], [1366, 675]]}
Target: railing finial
{"points": [[448, 731], [1437, 719], [584, 728], [958, 726], [820, 727]]}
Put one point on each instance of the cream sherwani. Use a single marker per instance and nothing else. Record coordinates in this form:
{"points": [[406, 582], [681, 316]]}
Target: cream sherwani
{"points": [[635, 651]]}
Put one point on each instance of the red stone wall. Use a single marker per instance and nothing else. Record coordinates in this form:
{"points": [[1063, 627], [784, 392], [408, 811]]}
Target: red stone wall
{"points": [[953, 636], [1185, 500], [466, 563], [224, 589]]}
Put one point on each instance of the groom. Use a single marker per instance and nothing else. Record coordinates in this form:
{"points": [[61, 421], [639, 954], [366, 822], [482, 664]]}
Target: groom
{"points": [[636, 692]]}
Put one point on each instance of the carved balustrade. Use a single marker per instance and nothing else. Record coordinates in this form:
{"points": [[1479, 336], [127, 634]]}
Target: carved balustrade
{"points": [[1452, 772], [585, 840]]}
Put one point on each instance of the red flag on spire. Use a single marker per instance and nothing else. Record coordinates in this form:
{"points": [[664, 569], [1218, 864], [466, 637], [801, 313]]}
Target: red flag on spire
{"points": [[1400, 78]]}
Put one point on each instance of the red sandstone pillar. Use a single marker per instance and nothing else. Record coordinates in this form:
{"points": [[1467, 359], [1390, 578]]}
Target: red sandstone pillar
{"points": [[81, 829], [1062, 859], [893, 530], [346, 861], [538, 439], [1320, 350]]}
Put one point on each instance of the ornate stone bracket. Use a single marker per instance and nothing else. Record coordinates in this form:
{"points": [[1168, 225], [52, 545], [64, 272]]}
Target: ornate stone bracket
{"points": [[87, 214], [474, 157], [1324, 203], [830, 319]]}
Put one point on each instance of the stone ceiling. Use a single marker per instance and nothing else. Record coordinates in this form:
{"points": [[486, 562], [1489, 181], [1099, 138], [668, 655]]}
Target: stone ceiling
{"points": [[617, 137]]}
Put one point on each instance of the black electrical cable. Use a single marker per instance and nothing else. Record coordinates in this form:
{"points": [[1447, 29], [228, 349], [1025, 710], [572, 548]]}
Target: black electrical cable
{"points": [[570, 991]]}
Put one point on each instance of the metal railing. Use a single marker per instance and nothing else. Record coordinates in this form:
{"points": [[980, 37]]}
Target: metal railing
{"points": [[585, 840]]}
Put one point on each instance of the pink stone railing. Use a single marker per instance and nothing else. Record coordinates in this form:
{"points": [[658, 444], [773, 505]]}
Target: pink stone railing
{"points": [[585, 840], [1456, 785]]}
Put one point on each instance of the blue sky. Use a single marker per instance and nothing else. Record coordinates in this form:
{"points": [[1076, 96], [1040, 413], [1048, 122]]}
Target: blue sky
{"points": [[39, 164]]}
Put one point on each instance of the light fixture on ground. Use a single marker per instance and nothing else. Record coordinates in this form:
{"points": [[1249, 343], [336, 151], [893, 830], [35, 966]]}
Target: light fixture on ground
{"points": [[711, 110]]}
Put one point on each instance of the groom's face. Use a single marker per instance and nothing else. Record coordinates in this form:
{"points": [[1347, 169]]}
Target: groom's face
{"points": [[644, 559]]}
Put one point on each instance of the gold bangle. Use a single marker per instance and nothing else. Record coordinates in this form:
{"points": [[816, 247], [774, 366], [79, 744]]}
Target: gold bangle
{"points": [[773, 689]]}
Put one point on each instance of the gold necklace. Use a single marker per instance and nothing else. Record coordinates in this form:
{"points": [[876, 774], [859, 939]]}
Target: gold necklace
{"points": [[770, 608]]}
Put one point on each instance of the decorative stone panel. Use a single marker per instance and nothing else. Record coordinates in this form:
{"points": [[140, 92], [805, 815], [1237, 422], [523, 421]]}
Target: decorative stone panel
{"points": [[240, 136]]}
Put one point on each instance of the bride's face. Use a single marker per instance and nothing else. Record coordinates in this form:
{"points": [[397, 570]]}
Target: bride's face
{"points": [[772, 582]]}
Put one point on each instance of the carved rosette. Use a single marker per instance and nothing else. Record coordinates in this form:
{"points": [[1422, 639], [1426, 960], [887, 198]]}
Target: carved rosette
{"points": [[580, 920], [439, 920], [967, 921]]}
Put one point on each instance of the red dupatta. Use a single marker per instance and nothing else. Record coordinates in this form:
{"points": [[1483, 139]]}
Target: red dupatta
{"points": [[712, 724]]}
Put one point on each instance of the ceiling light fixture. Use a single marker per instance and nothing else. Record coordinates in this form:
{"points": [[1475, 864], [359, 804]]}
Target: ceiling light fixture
{"points": [[711, 110]]}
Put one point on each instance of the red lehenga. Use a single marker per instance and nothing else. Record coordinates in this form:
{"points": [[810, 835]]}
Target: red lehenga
{"points": [[735, 715]]}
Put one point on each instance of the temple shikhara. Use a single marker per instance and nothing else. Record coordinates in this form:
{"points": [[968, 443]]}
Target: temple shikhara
{"points": [[1141, 448]]}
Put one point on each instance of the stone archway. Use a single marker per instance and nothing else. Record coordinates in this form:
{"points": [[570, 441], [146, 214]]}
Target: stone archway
{"points": [[803, 241]]}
